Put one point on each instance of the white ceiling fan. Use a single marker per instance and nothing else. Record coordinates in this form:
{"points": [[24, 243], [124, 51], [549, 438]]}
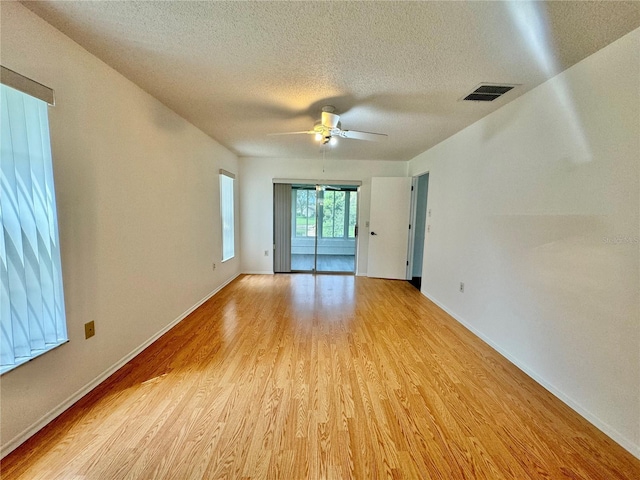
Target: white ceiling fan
{"points": [[329, 128]]}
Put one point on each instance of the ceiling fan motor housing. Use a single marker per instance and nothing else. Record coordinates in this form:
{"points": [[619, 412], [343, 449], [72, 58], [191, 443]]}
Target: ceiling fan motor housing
{"points": [[329, 127]]}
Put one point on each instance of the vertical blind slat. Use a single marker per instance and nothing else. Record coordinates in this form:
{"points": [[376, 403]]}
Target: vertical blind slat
{"points": [[16, 284]]}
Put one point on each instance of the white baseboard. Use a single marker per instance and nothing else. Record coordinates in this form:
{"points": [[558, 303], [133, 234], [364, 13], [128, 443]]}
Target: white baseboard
{"points": [[22, 437], [264, 272], [611, 432]]}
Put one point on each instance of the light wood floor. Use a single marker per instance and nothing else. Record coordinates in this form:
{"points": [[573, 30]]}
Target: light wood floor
{"points": [[296, 376]]}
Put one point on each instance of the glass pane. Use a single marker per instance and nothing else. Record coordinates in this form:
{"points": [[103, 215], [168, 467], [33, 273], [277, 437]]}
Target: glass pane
{"points": [[300, 202], [303, 245], [327, 214], [336, 251], [311, 210], [353, 213], [226, 213], [305, 213], [338, 214]]}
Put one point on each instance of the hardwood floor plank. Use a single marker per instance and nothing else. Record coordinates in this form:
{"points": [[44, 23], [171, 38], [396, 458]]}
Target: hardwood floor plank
{"points": [[308, 377]]}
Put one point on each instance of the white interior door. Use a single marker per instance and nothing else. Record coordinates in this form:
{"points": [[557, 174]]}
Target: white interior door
{"points": [[389, 227]]}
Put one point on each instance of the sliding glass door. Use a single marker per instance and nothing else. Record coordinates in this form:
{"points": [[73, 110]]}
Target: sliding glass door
{"points": [[323, 231], [303, 231], [336, 240]]}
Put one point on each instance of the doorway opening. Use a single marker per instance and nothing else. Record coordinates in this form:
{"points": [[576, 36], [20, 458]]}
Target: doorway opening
{"points": [[419, 209], [323, 229]]}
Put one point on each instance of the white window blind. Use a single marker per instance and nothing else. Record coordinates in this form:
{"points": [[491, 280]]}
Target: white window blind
{"points": [[226, 213], [32, 315]]}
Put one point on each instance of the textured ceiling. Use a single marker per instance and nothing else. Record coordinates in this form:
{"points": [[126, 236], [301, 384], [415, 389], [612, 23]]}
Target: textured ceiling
{"points": [[241, 70]]}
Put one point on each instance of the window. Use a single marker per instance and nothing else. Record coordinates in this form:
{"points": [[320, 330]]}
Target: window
{"points": [[305, 202], [339, 210], [352, 205], [32, 315], [226, 213], [333, 214]]}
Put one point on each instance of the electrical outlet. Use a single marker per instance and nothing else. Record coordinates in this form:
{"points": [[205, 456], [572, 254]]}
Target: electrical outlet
{"points": [[461, 287], [213, 267], [89, 329], [266, 253]]}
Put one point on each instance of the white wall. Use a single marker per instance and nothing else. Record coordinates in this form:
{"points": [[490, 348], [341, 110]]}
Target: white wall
{"points": [[138, 203], [256, 198], [523, 203]]}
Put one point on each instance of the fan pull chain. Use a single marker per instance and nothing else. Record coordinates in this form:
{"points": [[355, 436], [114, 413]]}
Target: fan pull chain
{"points": [[324, 149]]}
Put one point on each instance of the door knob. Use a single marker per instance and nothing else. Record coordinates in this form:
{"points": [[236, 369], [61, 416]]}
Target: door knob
{"points": [[374, 233]]}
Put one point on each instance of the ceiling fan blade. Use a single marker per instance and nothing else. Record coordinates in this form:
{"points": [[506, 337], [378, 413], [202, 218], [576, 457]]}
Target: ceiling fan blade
{"points": [[308, 132], [374, 137], [330, 120]]}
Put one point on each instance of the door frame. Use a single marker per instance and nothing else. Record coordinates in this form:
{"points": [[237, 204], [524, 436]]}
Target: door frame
{"points": [[317, 185], [412, 231]]}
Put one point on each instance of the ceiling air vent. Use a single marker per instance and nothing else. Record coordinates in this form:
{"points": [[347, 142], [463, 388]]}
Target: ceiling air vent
{"points": [[488, 92]]}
